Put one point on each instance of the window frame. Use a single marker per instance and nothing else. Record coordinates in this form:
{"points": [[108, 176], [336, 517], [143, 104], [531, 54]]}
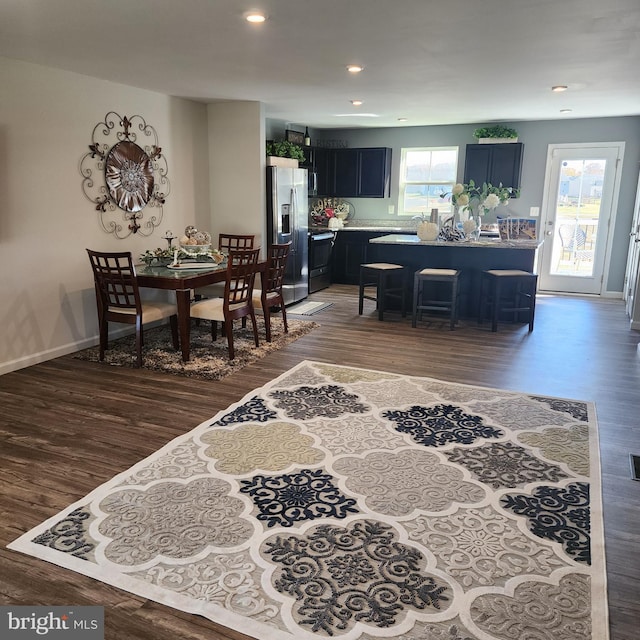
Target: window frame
{"points": [[445, 205]]}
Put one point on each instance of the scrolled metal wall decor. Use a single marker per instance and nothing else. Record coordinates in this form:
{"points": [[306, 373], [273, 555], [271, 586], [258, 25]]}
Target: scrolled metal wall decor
{"points": [[124, 175]]}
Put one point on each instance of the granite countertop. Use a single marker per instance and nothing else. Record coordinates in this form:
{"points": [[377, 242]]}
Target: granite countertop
{"points": [[392, 226], [406, 239]]}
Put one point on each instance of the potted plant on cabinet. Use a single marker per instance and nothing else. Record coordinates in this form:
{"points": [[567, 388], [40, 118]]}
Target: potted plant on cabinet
{"points": [[494, 134], [282, 153]]}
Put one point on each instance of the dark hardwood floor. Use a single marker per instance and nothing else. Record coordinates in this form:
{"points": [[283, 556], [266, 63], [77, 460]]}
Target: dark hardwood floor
{"points": [[67, 426]]}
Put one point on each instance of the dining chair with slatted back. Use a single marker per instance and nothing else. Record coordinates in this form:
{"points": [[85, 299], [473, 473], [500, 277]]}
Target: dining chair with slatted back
{"points": [[233, 242], [270, 293], [227, 242], [118, 299], [237, 301]]}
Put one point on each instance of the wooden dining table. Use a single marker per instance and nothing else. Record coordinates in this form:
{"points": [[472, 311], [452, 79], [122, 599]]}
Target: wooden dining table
{"points": [[182, 282]]}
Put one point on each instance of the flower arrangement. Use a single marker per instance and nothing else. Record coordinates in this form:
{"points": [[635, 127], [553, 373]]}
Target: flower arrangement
{"points": [[479, 200], [162, 257]]}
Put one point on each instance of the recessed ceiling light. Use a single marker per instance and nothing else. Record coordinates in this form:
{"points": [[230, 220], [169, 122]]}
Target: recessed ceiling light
{"points": [[354, 68], [356, 115], [255, 17], [402, 119], [559, 87], [356, 103], [566, 110]]}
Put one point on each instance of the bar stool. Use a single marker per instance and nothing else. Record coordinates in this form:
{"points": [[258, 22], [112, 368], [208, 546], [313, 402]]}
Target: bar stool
{"points": [[509, 291], [379, 275], [421, 303]]}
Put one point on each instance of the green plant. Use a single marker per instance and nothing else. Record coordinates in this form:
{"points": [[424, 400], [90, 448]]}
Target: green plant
{"points": [[497, 131], [284, 149]]}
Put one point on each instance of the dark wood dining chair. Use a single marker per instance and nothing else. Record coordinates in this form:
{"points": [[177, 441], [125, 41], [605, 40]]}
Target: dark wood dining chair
{"points": [[232, 242], [227, 242], [237, 301], [270, 293], [118, 299]]}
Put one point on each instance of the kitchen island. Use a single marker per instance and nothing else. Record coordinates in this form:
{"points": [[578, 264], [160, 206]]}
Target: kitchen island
{"points": [[470, 257]]}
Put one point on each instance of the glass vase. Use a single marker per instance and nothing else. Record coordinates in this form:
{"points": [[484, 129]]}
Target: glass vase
{"points": [[478, 228], [471, 228]]}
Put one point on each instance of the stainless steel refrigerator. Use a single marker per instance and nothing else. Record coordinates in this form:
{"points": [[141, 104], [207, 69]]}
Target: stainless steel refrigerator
{"points": [[288, 221]]}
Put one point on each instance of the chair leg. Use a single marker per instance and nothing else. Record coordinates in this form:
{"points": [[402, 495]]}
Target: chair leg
{"points": [[532, 311], [266, 313], [284, 318], [416, 298], [381, 294], [104, 338], [361, 295], [214, 330], [228, 329], [255, 329], [454, 305], [495, 307], [138, 342], [173, 321]]}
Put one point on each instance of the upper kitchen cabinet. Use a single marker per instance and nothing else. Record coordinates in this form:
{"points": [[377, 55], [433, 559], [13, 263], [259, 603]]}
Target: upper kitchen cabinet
{"points": [[319, 164], [494, 163], [359, 173], [374, 172], [345, 173]]}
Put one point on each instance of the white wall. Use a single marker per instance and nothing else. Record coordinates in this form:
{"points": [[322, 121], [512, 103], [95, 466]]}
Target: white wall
{"points": [[46, 120], [237, 169]]}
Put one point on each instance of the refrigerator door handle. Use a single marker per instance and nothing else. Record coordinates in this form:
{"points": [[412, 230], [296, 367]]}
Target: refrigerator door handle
{"points": [[294, 213]]}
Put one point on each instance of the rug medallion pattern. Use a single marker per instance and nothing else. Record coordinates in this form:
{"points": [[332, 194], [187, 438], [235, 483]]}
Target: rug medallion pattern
{"points": [[353, 504]]}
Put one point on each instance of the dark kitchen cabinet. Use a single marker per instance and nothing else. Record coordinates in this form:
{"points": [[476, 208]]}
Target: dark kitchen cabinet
{"points": [[494, 163], [374, 172], [349, 252], [345, 173], [324, 171], [319, 163], [355, 173]]}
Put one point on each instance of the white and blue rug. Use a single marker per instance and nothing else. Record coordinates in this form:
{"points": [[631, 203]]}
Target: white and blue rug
{"points": [[354, 504]]}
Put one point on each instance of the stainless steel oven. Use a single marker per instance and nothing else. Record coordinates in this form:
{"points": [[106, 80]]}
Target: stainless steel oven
{"points": [[320, 250]]}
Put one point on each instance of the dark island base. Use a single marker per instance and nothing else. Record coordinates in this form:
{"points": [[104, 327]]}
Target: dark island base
{"points": [[470, 260]]}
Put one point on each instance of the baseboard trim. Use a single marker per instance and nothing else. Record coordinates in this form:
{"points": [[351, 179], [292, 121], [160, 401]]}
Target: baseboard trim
{"points": [[57, 352]]}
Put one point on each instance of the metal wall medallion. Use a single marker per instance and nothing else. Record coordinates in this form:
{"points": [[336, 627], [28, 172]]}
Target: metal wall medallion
{"points": [[119, 175]]}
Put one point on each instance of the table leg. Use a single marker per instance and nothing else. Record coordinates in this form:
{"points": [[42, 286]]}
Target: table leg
{"points": [[183, 300]]}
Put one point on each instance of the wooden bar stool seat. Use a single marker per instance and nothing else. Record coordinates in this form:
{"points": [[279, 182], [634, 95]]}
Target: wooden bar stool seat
{"points": [[390, 281], [507, 291], [424, 294]]}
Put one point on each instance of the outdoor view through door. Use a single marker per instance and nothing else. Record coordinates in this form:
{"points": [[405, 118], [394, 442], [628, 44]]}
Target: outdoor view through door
{"points": [[579, 196]]}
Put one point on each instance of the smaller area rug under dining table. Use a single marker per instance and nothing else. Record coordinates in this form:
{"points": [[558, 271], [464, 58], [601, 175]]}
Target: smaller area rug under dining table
{"points": [[209, 360], [359, 504]]}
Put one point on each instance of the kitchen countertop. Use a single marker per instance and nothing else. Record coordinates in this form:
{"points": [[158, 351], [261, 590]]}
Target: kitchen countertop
{"points": [[392, 226], [373, 226], [406, 239]]}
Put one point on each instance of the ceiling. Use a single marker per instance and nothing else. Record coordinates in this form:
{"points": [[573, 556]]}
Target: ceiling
{"points": [[429, 61]]}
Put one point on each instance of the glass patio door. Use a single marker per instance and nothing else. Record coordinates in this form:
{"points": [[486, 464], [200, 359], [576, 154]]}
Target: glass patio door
{"points": [[580, 190]]}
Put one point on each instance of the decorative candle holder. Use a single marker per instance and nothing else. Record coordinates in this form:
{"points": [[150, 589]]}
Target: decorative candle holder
{"points": [[169, 237]]}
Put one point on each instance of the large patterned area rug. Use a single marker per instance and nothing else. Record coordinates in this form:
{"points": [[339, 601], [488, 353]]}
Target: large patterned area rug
{"points": [[208, 359], [358, 504]]}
